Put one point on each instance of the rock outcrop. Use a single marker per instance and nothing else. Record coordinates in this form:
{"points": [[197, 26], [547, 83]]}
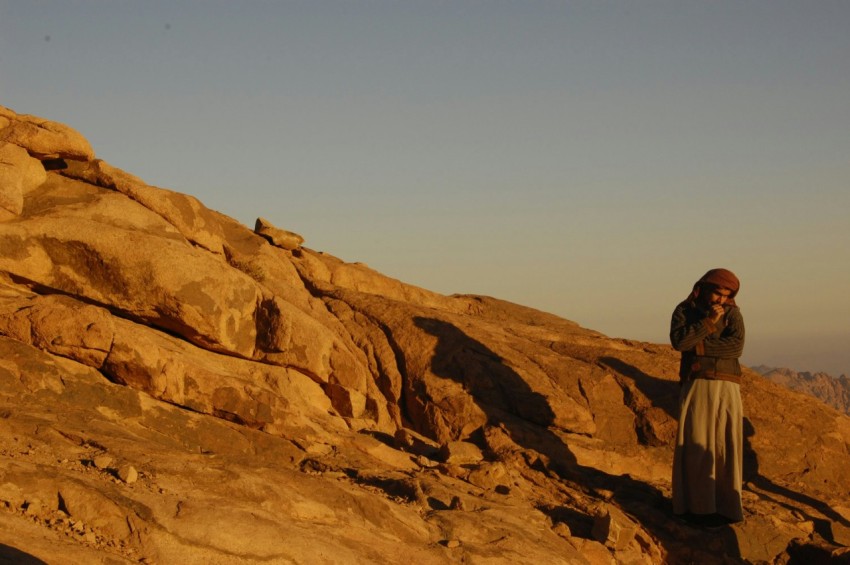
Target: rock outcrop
{"points": [[178, 388], [281, 238]]}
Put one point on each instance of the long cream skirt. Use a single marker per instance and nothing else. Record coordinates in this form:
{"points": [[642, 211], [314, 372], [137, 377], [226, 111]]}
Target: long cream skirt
{"points": [[708, 461]]}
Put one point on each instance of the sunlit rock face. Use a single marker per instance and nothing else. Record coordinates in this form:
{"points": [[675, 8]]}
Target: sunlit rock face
{"points": [[176, 387]]}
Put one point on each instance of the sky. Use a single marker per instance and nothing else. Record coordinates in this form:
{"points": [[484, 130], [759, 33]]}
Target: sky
{"points": [[591, 159]]}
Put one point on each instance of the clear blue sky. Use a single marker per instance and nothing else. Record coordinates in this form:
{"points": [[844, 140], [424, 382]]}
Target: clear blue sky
{"points": [[591, 159]]}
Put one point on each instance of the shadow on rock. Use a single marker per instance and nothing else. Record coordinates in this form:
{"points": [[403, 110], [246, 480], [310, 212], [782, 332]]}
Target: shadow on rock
{"points": [[15, 556], [498, 390], [653, 401], [510, 403], [662, 393], [767, 487]]}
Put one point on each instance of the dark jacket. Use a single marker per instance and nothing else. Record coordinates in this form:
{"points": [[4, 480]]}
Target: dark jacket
{"points": [[709, 350]]}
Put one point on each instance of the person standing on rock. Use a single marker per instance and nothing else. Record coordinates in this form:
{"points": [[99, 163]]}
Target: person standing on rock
{"points": [[708, 329]]}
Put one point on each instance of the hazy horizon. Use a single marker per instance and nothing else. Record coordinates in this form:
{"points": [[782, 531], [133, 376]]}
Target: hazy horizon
{"points": [[588, 159]]}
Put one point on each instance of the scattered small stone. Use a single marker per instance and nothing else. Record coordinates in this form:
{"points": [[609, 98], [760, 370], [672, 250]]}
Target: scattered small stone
{"points": [[605, 494], [34, 508], [452, 543], [413, 442], [102, 461], [128, 474], [403, 439], [319, 449], [460, 453], [455, 471], [613, 528], [489, 475], [423, 461]]}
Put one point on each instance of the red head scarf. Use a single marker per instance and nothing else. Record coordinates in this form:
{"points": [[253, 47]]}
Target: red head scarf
{"points": [[720, 278]]}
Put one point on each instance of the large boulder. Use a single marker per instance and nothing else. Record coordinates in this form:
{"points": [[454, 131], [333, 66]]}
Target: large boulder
{"points": [[43, 139], [58, 324], [140, 275], [192, 219], [278, 237], [261, 396]]}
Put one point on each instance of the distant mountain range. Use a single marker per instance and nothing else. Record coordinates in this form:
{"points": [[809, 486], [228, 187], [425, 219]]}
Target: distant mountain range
{"points": [[834, 391]]}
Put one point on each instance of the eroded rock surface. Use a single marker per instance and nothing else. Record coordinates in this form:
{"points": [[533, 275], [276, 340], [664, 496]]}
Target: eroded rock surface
{"points": [[178, 388]]}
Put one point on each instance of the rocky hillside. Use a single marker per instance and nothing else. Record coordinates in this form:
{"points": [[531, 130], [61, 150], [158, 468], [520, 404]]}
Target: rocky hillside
{"points": [[831, 390], [178, 388]]}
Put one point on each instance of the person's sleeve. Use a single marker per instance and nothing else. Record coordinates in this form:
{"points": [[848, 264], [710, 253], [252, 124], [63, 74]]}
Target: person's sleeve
{"points": [[730, 343], [685, 336]]}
